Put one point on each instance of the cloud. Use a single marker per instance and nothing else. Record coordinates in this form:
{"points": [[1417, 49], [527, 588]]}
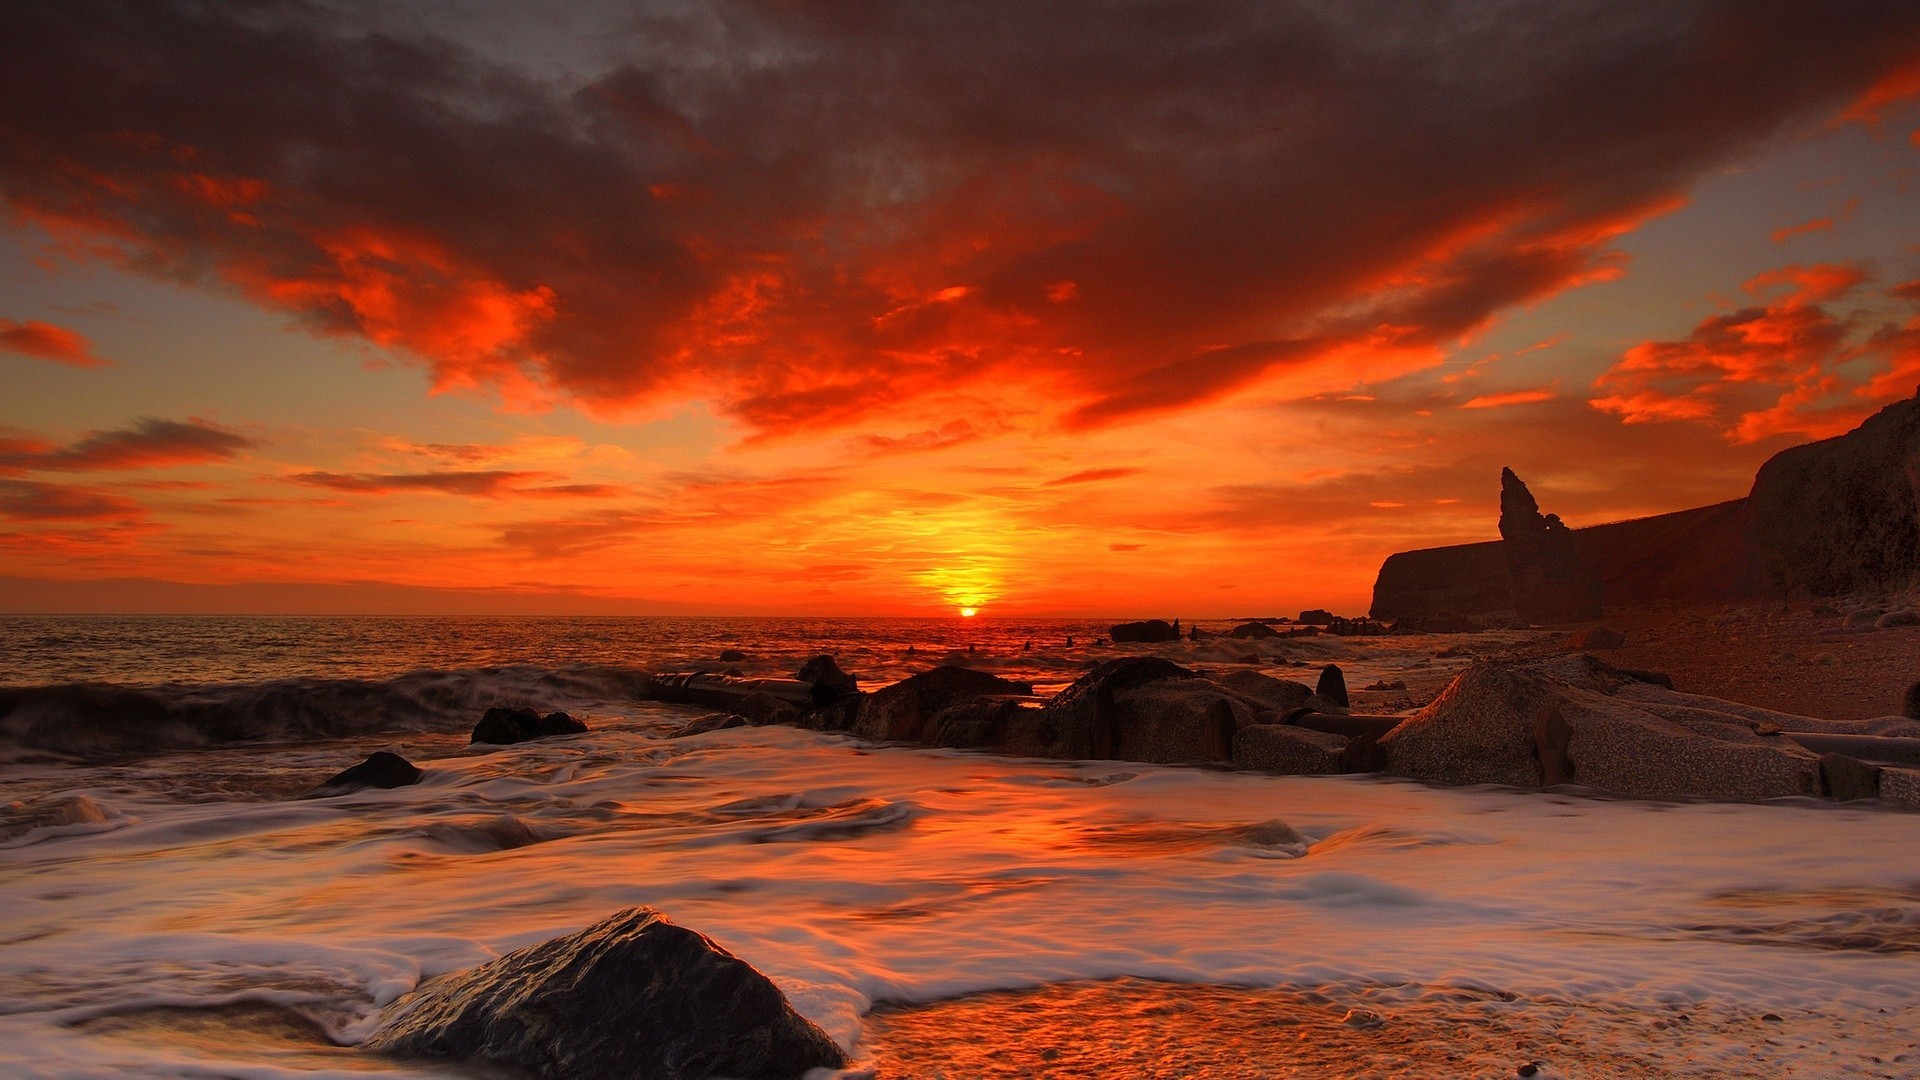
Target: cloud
{"points": [[1789, 366], [480, 483], [45, 341], [1511, 397], [820, 215], [27, 501], [149, 444], [1788, 232], [1091, 476]]}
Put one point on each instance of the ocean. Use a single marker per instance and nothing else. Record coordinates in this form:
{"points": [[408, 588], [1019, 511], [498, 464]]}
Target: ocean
{"points": [[169, 906]]}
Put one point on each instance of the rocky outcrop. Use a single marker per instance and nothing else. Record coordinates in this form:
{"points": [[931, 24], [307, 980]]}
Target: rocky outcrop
{"points": [[502, 726], [1316, 617], [1283, 748], [1840, 515], [1546, 575], [632, 996], [1136, 709], [1149, 631], [381, 770]]}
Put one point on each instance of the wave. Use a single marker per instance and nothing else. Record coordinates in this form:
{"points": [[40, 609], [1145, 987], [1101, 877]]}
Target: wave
{"points": [[105, 721]]}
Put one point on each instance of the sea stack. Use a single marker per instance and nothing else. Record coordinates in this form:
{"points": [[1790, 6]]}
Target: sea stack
{"points": [[1549, 579]]}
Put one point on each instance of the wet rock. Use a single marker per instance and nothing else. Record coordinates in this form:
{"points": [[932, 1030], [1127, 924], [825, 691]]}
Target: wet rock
{"points": [[1283, 748], [829, 682], [761, 708], [381, 770], [1549, 579], [1899, 617], [634, 995], [1333, 686], [1596, 637], [1135, 709], [909, 709], [1578, 720], [1151, 630], [1316, 617], [1443, 622], [1901, 787], [1281, 695], [710, 722], [1254, 631], [732, 656], [504, 726], [1842, 777]]}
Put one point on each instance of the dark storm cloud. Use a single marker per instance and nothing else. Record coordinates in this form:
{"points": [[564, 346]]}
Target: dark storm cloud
{"points": [[814, 213]]}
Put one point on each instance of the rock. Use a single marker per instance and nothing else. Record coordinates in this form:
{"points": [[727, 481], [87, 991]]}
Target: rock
{"points": [[1194, 633], [1596, 637], [632, 996], [1842, 777], [380, 770], [1135, 709], [503, 726], [829, 682], [1549, 579], [1152, 630], [1316, 617], [905, 711], [1899, 617], [1575, 719], [1255, 631], [711, 722], [1901, 787], [1333, 686], [1280, 695], [1383, 686], [1912, 708], [1838, 516], [1283, 748], [1443, 622], [762, 708], [732, 656], [1863, 618]]}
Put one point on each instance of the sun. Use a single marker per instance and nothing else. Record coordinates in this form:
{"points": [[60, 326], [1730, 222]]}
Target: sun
{"points": [[969, 612]]}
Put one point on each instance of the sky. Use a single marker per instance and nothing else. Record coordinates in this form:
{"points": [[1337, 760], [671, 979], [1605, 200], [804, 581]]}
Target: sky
{"points": [[1192, 309]]}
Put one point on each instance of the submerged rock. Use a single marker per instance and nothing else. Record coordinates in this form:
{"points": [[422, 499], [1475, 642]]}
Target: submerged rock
{"points": [[381, 770], [830, 684], [503, 727], [632, 996], [1151, 630]]}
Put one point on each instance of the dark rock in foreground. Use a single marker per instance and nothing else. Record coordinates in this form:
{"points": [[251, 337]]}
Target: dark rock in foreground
{"points": [[1151, 630], [632, 996], [380, 770], [503, 727], [944, 706], [829, 682]]}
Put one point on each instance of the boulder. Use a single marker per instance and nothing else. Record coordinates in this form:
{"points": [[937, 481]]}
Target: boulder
{"points": [[504, 726], [1333, 686], [1596, 637], [1135, 709], [1842, 777], [907, 710], [381, 770], [1152, 630], [1255, 631], [1316, 617], [1573, 721], [1549, 579], [731, 656], [1283, 748], [1897, 617], [632, 996], [1280, 695], [1839, 516], [829, 682], [1901, 787]]}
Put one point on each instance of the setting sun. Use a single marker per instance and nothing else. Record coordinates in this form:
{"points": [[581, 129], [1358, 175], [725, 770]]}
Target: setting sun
{"points": [[969, 612]]}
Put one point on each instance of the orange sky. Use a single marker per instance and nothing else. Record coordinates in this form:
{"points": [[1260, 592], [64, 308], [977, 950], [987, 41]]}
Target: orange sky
{"points": [[1196, 310]]}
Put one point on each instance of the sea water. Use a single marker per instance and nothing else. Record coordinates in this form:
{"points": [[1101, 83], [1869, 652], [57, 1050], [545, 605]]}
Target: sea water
{"points": [[172, 887]]}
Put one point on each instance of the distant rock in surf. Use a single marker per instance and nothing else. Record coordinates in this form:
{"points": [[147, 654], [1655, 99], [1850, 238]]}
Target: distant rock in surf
{"points": [[1333, 686], [1255, 631], [503, 726], [829, 682], [632, 996], [1316, 617], [1148, 631], [732, 656], [381, 770]]}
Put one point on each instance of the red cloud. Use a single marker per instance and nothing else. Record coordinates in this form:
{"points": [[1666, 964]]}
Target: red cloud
{"points": [[23, 500], [1790, 366], [1511, 397], [825, 217], [148, 444], [45, 341]]}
